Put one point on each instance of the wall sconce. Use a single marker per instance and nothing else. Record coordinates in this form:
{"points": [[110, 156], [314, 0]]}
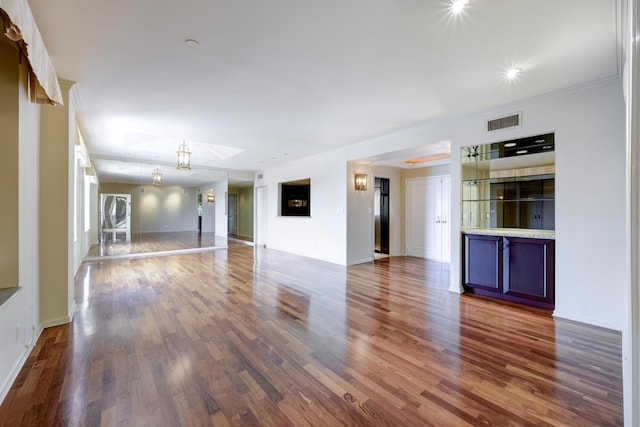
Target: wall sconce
{"points": [[211, 197], [184, 157], [156, 177], [361, 181]]}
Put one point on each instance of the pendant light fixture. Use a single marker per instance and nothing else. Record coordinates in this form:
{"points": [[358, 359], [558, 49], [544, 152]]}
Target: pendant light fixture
{"points": [[184, 157], [156, 177]]}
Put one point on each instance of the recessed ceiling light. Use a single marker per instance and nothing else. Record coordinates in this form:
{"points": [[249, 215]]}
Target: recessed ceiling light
{"points": [[521, 152], [458, 5], [192, 43], [512, 73], [510, 144]]}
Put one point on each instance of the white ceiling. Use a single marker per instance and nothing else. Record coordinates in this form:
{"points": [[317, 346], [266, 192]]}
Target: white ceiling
{"points": [[277, 80]]}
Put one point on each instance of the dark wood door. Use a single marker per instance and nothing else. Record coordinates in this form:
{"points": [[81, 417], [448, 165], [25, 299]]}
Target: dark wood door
{"points": [[483, 262], [382, 223], [528, 269]]}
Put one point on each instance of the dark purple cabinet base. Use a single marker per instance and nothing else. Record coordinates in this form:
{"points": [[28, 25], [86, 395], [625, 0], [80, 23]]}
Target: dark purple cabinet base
{"points": [[515, 269]]}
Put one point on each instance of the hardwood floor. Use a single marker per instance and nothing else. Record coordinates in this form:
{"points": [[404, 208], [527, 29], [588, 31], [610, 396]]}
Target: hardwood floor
{"points": [[252, 336], [156, 242]]}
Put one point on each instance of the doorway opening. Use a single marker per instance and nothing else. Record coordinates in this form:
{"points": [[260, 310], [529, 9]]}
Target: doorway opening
{"points": [[381, 216], [240, 203], [199, 213], [232, 214]]}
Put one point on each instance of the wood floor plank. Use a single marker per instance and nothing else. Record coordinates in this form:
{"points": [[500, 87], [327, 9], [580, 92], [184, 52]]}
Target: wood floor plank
{"points": [[252, 336]]}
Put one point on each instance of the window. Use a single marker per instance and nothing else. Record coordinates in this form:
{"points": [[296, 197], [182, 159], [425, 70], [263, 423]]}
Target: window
{"points": [[295, 198]]}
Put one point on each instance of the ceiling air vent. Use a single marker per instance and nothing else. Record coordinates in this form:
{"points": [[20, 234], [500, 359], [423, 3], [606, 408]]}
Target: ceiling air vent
{"points": [[504, 122]]}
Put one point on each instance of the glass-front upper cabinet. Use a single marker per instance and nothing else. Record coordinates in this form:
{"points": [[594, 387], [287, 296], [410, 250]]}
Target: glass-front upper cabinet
{"points": [[509, 184]]}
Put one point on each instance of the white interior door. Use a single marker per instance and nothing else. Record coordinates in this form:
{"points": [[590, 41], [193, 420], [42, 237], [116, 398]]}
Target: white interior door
{"points": [[433, 218], [415, 221], [445, 223], [427, 220]]}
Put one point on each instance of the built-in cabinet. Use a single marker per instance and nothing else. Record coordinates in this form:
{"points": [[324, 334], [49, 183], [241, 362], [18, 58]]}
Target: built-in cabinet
{"points": [[517, 269], [428, 227], [508, 219]]}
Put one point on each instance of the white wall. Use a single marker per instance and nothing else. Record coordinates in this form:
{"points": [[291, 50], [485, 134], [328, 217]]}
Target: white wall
{"points": [[589, 126], [209, 209], [171, 208], [438, 170], [214, 215], [360, 238], [78, 199], [220, 187], [590, 201], [631, 333], [86, 196], [360, 227], [159, 209], [244, 210], [323, 234], [19, 316], [28, 207], [590, 208]]}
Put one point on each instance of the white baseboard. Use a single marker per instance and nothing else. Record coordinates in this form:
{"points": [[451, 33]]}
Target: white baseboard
{"points": [[457, 289], [416, 253], [60, 320], [15, 370], [360, 261], [559, 314]]}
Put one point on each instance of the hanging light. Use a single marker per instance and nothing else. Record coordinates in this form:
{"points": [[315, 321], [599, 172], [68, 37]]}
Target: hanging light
{"points": [[184, 157], [156, 177]]}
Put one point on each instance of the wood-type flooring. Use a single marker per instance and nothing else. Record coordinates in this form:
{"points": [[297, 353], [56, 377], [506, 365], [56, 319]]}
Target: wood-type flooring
{"points": [[141, 243], [252, 336]]}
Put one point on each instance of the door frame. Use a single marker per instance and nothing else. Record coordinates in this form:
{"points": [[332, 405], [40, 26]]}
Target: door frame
{"points": [[445, 232], [260, 216], [388, 216], [231, 196]]}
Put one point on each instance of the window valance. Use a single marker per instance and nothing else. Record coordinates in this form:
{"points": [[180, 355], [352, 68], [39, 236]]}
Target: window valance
{"points": [[18, 24]]}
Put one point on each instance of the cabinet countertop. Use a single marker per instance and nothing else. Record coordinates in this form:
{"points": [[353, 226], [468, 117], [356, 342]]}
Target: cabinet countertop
{"points": [[512, 232]]}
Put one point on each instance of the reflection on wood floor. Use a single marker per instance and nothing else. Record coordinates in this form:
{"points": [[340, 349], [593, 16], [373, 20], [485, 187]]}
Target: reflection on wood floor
{"points": [[156, 242], [241, 238], [253, 336]]}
